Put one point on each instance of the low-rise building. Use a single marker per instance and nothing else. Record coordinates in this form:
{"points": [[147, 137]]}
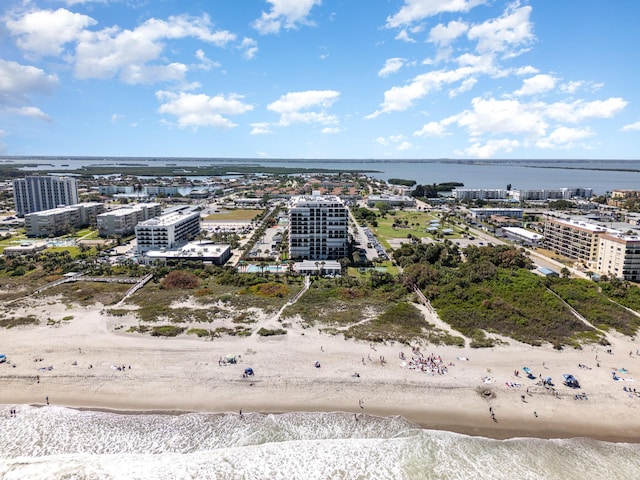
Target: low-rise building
{"points": [[391, 200], [114, 189], [122, 221], [480, 213], [200, 251], [522, 235]]}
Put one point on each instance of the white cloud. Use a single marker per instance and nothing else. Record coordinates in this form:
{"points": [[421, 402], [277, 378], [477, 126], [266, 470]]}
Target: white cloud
{"points": [[45, 32], [81, 2], [115, 118], [205, 64], [286, 14], [632, 127], [503, 34], [392, 65], [581, 110], [564, 137], [20, 80], [539, 84], [416, 10], [571, 87], [399, 142], [293, 107], [111, 51], [261, 128], [431, 129], [141, 74], [443, 35], [403, 36], [490, 148], [491, 116], [465, 86], [401, 98], [331, 130], [526, 70], [200, 110], [250, 48], [27, 111]]}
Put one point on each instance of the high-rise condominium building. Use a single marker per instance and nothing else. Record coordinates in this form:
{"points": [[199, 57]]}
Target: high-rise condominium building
{"points": [[35, 194], [318, 227]]}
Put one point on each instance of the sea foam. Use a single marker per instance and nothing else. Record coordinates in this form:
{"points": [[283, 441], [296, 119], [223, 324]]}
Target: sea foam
{"points": [[62, 443]]}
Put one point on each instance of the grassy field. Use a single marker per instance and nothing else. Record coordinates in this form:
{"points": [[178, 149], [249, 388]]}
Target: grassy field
{"points": [[408, 223], [238, 215]]}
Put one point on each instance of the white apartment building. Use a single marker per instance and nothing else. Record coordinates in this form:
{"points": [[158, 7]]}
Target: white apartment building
{"points": [[553, 194], [122, 221], [59, 221], [479, 193], [170, 230], [318, 227], [35, 194], [619, 256]]}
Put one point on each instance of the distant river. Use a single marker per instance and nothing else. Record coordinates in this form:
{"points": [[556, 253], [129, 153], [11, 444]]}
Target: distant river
{"points": [[600, 175]]}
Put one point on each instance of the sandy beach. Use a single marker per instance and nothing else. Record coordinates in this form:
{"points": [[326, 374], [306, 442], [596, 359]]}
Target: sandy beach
{"points": [[90, 362]]}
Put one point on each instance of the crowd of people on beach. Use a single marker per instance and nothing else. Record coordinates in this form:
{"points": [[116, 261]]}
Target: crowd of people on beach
{"points": [[433, 363]]}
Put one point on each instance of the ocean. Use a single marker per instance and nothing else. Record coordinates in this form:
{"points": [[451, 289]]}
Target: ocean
{"points": [[61, 443], [600, 175]]}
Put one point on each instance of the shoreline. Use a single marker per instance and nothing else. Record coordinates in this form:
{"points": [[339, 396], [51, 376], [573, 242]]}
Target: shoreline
{"points": [[472, 426], [78, 364]]}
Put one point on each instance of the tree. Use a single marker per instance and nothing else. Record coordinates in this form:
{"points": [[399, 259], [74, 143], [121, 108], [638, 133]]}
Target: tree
{"points": [[383, 208]]}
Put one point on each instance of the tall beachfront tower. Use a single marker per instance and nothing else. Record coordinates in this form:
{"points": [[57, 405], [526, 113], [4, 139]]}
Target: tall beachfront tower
{"points": [[318, 227], [170, 230], [35, 194]]}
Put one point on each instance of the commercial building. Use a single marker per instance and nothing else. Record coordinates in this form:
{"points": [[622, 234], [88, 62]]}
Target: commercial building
{"points": [[572, 238], [122, 221], [619, 256], [205, 252], [318, 227], [527, 237], [60, 221], [115, 189], [391, 200], [479, 213], [35, 194], [169, 231]]}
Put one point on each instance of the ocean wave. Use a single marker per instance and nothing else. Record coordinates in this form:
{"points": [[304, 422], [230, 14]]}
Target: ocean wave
{"points": [[63, 443]]}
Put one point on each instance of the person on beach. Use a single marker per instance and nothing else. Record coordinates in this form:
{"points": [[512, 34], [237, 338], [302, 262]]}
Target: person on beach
{"points": [[46, 399]]}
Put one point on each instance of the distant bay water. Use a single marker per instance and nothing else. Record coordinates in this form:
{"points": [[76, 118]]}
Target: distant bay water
{"points": [[600, 175]]}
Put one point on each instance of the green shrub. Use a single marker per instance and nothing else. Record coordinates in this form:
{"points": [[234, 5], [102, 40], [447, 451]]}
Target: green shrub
{"points": [[267, 332]]}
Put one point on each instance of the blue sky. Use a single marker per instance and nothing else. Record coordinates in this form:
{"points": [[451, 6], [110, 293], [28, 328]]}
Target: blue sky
{"points": [[320, 78]]}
